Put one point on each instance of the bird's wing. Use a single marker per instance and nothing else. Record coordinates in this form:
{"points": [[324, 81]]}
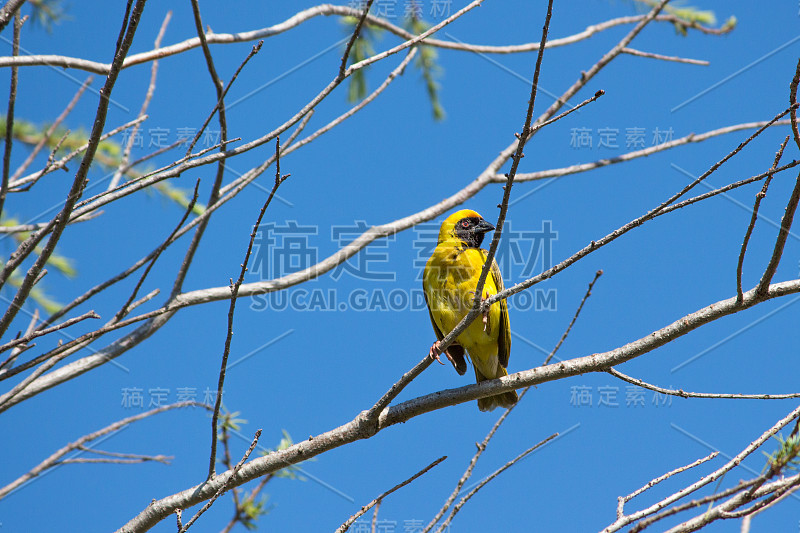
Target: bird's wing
{"points": [[439, 335], [455, 350], [504, 335]]}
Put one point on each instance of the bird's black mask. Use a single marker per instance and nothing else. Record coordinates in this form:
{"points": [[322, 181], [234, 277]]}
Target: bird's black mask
{"points": [[471, 230]]}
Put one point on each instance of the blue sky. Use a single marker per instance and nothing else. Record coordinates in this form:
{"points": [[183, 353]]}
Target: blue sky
{"points": [[307, 368]]}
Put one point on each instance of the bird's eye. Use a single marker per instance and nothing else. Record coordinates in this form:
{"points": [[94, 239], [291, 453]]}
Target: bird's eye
{"points": [[464, 223]]}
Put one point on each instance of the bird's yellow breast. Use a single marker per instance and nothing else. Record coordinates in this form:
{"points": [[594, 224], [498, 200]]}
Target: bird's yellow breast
{"points": [[450, 279]]}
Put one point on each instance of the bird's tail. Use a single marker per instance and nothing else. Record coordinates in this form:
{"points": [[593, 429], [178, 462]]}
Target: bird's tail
{"points": [[505, 400]]}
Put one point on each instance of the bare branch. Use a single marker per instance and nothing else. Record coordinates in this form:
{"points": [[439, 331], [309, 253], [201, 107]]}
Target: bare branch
{"points": [[225, 486], [791, 206], [60, 221], [780, 241], [445, 525], [12, 100], [377, 501], [353, 38], [709, 478], [358, 428], [151, 89], [61, 163], [234, 293], [125, 309], [574, 318], [221, 97], [793, 103], [675, 59], [51, 130], [345, 11], [683, 394], [622, 500], [644, 152], [78, 444], [761, 194], [40, 332], [9, 11]]}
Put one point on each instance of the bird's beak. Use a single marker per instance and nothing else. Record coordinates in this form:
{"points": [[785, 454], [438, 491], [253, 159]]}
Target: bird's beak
{"points": [[483, 227]]}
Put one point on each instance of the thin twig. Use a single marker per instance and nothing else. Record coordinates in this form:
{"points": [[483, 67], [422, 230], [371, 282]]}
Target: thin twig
{"points": [[221, 98], [759, 196], [279, 179], [791, 206], [575, 317], [61, 163], [163, 459], [594, 245], [228, 483], [353, 38], [54, 458], [144, 299], [457, 507], [375, 517], [374, 503], [705, 480], [40, 332], [50, 160], [780, 241], [151, 89], [5, 365], [353, 110], [61, 220], [675, 59], [622, 500], [12, 100], [683, 394], [223, 128], [793, 103], [523, 138], [468, 472], [344, 11], [52, 129], [125, 309], [629, 156]]}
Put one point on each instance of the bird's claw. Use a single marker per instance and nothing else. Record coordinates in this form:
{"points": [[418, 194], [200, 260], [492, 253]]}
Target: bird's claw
{"points": [[434, 353], [485, 315]]}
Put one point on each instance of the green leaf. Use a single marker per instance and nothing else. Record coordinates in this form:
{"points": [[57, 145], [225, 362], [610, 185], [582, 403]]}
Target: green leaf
{"points": [[427, 64], [251, 511], [46, 13], [362, 49], [108, 156]]}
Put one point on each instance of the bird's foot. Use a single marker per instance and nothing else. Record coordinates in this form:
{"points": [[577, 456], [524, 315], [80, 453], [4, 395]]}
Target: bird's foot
{"points": [[485, 315], [436, 351]]}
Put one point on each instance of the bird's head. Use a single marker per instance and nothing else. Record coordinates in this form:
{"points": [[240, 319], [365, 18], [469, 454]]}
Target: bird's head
{"points": [[465, 225]]}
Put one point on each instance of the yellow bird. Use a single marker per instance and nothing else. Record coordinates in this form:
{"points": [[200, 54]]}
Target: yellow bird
{"points": [[449, 282]]}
